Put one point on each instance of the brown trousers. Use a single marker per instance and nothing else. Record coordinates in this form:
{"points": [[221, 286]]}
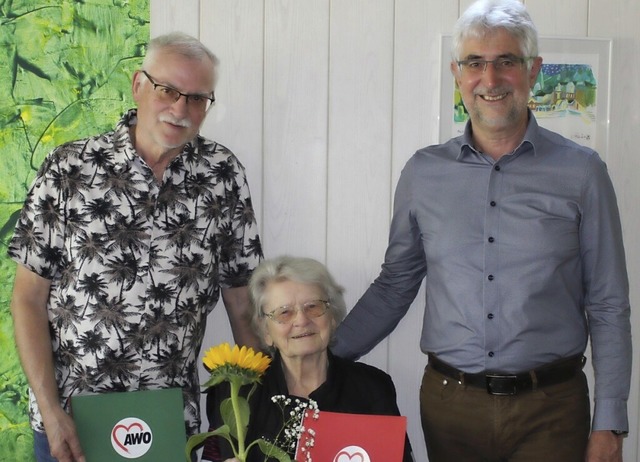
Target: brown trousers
{"points": [[466, 424]]}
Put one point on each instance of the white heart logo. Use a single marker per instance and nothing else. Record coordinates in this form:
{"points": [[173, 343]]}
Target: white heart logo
{"points": [[352, 454], [131, 437]]}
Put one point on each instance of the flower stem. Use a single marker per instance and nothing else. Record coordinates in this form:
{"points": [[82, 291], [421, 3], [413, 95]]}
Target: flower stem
{"points": [[235, 391]]}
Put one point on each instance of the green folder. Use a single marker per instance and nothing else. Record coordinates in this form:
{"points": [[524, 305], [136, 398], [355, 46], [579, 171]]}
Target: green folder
{"points": [[140, 426]]}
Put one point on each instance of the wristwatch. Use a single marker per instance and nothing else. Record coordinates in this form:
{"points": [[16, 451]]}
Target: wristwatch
{"points": [[619, 432]]}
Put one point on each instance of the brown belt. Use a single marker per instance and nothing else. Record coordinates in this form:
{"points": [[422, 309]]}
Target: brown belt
{"points": [[512, 384]]}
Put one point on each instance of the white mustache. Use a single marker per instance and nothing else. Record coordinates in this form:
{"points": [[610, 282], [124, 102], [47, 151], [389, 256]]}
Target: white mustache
{"points": [[185, 123]]}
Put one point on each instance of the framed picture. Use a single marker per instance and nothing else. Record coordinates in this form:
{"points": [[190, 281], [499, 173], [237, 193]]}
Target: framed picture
{"points": [[570, 96]]}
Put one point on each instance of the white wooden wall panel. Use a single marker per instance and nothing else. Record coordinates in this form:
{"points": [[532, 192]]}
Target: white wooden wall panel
{"points": [[360, 103], [234, 30], [295, 121], [325, 100], [174, 15]]}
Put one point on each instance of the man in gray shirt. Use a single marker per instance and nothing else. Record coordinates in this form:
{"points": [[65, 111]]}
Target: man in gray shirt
{"points": [[517, 232]]}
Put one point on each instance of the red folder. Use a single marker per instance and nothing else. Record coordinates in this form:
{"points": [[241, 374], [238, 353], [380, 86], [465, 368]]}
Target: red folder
{"points": [[339, 437]]}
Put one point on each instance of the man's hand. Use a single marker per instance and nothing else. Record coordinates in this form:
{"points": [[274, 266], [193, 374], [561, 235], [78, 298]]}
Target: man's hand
{"points": [[63, 439], [604, 446]]}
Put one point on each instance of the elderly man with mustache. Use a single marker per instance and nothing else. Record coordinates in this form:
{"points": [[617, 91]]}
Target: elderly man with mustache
{"points": [[124, 244]]}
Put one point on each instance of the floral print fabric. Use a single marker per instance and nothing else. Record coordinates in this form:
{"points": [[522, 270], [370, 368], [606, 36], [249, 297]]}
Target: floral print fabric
{"points": [[135, 265]]}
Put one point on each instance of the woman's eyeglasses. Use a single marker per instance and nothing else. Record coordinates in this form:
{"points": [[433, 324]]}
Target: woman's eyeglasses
{"points": [[285, 314]]}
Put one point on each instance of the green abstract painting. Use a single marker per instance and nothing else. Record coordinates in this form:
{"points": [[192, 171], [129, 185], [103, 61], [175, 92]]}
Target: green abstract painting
{"points": [[65, 73]]}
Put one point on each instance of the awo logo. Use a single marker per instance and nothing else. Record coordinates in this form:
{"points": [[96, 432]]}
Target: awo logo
{"points": [[352, 454], [131, 437]]}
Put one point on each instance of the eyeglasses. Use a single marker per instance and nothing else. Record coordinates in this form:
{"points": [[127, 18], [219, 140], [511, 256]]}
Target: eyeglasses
{"points": [[285, 314], [504, 64], [170, 95]]}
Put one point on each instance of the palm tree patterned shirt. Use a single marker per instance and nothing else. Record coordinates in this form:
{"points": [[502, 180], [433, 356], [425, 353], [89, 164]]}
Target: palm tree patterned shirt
{"points": [[135, 265]]}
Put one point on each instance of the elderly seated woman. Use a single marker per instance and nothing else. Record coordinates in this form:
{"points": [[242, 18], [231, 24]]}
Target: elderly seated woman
{"points": [[297, 307]]}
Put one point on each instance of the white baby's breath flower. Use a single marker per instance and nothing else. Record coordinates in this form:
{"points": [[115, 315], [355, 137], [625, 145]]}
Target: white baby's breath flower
{"points": [[293, 412]]}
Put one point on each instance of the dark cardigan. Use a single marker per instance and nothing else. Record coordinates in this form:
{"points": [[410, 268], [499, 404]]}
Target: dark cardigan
{"points": [[351, 387]]}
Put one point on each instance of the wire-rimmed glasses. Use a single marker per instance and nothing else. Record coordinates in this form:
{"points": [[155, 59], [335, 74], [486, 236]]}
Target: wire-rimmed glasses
{"points": [[285, 314], [503, 64]]}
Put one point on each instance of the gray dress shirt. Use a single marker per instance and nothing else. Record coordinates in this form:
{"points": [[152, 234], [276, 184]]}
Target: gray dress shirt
{"points": [[523, 260]]}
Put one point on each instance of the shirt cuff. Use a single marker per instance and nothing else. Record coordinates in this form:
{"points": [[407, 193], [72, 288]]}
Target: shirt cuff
{"points": [[610, 414]]}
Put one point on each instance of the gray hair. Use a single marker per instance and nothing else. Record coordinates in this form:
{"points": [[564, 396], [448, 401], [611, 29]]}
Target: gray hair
{"points": [[297, 269], [180, 43], [484, 16]]}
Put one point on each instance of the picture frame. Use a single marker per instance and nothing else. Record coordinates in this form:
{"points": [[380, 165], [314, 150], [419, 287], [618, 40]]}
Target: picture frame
{"points": [[571, 96]]}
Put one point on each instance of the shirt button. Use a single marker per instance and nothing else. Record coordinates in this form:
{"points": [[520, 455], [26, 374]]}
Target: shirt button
{"points": [[491, 239], [492, 203], [497, 168], [491, 354], [490, 316], [490, 277]]}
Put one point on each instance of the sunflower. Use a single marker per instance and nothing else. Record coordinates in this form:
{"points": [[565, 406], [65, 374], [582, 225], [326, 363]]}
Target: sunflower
{"points": [[238, 366], [226, 363]]}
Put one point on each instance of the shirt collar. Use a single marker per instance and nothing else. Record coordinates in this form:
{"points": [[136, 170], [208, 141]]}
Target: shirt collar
{"points": [[530, 139], [122, 138]]}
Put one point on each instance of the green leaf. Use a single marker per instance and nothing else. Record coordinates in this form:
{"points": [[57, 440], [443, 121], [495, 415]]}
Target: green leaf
{"points": [[31, 67], [213, 380], [229, 417], [271, 450], [196, 440], [231, 373], [253, 388]]}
